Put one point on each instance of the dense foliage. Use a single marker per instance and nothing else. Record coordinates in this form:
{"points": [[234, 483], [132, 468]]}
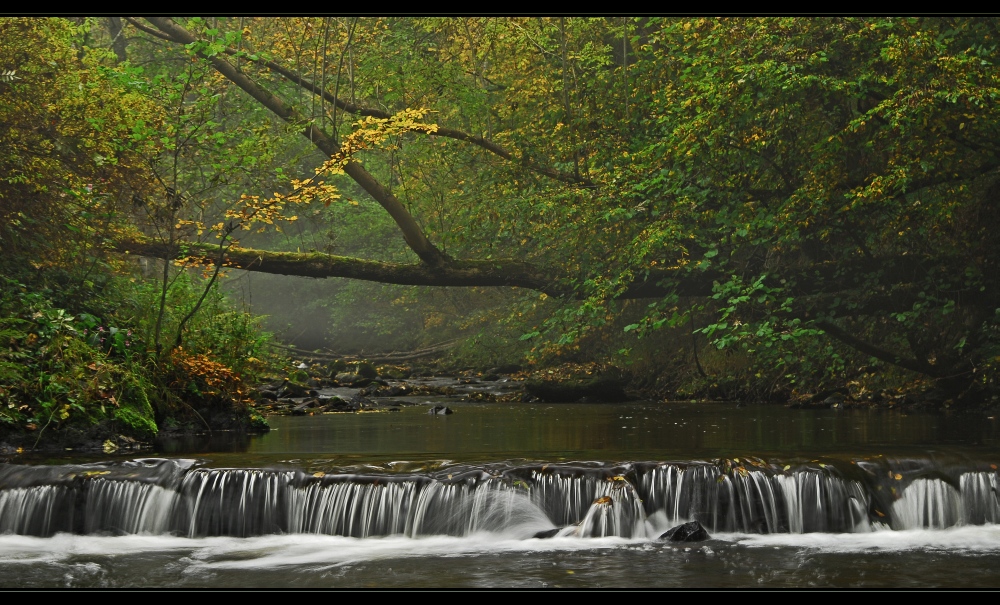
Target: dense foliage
{"points": [[81, 330], [732, 206]]}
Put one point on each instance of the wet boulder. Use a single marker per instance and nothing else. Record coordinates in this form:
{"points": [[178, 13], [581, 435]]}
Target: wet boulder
{"points": [[306, 406], [548, 533], [337, 366], [366, 370], [353, 380], [294, 389], [361, 402], [688, 532], [396, 390], [440, 410], [346, 377], [394, 372], [336, 404]]}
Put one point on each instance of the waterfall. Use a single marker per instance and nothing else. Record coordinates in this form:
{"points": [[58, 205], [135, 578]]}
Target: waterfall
{"points": [[630, 501], [347, 508], [36, 511], [980, 502], [820, 502], [127, 507], [927, 503], [617, 511], [232, 502]]}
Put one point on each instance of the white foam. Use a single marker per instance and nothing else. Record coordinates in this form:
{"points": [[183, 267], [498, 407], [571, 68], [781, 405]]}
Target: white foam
{"points": [[290, 550], [968, 538]]}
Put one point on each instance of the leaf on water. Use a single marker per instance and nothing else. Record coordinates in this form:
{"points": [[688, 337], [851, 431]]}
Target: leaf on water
{"points": [[604, 500], [96, 473], [993, 466], [879, 513], [897, 477], [319, 474], [787, 466]]}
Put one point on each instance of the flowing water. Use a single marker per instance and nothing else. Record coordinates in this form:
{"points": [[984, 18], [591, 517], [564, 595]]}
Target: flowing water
{"points": [[523, 496]]}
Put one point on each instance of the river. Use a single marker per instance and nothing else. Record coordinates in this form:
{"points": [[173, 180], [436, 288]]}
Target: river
{"points": [[407, 499]]}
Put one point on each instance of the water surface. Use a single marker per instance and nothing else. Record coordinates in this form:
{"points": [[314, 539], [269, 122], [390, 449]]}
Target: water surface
{"points": [[793, 498]]}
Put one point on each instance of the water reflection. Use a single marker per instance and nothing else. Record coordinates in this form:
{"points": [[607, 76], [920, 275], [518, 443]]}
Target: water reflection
{"points": [[633, 431]]}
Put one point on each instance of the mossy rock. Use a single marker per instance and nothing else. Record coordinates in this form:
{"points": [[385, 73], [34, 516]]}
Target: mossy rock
{"points": [[293, 389], [136, 424], [394, 372], [366, 370]]}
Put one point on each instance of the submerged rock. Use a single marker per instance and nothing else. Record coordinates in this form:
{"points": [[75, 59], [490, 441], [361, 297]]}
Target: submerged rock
{"points": [[689, 532], [548, 533], [440, 410]]}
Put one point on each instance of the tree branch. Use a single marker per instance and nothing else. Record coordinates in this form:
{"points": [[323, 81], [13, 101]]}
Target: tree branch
{"points": [[504, 272], [441, 131], [412, 232], [914, 365]]}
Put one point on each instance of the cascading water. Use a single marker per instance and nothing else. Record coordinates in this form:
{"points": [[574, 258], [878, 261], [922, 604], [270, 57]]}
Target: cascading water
{"points": [[927, 503], [128, 507], [631, 501], [36, 511], [980, 499]]}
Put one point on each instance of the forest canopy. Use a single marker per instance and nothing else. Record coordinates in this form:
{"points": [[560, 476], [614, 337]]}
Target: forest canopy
{"points": [[814, 196]]}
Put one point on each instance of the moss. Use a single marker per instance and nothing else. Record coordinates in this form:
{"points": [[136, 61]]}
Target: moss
{"points": [[138, 425], [367, 370], [258, 424], [136, 412]]}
